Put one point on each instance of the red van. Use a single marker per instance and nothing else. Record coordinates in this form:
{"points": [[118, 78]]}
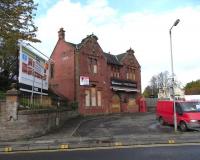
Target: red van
{"points": [[187, 112]]}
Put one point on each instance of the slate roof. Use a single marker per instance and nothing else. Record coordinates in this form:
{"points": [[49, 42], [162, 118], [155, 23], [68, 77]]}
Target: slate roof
{"points": [[112, 59], [121, 56]]}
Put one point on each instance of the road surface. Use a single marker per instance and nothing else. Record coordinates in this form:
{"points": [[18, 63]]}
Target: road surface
{"points": [[189, 152]]}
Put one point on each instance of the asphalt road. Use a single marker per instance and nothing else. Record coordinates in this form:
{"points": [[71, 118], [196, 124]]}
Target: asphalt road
{"points": [[143, 153], [125, 124], [109, 126]]}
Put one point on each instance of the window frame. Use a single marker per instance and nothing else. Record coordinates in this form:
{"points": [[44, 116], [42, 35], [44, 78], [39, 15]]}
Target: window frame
{"points": [[87, 98], [93, 97]]}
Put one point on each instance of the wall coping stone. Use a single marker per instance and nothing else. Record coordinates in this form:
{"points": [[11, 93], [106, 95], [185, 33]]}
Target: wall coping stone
{"points": [[40, 111]]}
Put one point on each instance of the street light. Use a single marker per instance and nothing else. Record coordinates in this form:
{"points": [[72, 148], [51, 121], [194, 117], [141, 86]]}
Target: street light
{"points": [[172, 68]]}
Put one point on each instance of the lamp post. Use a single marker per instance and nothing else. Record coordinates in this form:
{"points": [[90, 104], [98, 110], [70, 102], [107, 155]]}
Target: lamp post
{"points": [[172, 68]]}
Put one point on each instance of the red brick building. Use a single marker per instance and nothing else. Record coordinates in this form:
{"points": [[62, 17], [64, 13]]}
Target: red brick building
{"points": [[100, 82]]}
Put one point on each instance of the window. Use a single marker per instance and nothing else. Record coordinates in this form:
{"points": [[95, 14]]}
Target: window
{"points": [[92, 97], [130, 73], [94, 68], [115, 71], [99, 98], [87, 98], [93, 65], [127, 75], [134, 77], [52, 70]]}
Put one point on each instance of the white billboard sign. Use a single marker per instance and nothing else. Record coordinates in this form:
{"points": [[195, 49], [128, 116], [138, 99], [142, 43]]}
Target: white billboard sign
{"points": [[33, 72]]}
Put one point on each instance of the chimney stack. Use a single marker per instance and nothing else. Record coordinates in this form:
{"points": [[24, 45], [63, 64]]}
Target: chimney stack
{"points": [[61, 34]]}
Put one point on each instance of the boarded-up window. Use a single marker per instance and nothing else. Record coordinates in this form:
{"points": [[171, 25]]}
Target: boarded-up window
{"points": [[87, 98], [93, 97], [99, 98]]}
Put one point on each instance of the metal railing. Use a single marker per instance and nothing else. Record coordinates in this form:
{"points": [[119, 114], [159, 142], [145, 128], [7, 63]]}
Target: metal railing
{"points": [[36, 101], [28, 101]]}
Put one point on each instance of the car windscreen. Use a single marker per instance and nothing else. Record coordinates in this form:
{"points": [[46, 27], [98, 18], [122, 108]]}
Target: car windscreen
{"points": [[190, 106]]}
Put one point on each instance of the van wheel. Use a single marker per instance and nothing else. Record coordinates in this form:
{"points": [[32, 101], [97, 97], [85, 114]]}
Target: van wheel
{"points": [[161, 121], [183, 126]]}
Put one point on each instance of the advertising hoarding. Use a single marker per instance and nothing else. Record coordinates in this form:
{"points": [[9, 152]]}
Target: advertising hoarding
{"points": [[33, 72]]}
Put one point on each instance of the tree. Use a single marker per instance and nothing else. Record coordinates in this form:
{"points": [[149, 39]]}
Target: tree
{"points": [[148, 92], [163, 79], [192, 88], [16, 22], [159, 81], [152, 89]]}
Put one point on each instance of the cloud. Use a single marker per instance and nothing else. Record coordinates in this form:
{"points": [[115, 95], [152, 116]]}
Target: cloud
{"points": [[146, 32]]}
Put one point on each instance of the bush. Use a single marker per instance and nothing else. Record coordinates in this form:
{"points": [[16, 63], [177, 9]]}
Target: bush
{"points": [[74, 105], [2, 95]]}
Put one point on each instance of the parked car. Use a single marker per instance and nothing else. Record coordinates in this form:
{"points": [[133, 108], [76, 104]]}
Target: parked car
{"points": [[187, 113]]}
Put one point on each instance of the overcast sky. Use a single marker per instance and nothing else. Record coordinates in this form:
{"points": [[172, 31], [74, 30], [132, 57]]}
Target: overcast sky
{"points": [[142, 25]]}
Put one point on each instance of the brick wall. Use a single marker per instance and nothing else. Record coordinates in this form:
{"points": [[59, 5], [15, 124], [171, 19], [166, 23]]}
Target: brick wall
{"points": [[20, 124], [99, 80], [32, 123], [63, 80]]}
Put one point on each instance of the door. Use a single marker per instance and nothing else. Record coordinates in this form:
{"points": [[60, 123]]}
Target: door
{"points": [[115, 106], [132, 106]]}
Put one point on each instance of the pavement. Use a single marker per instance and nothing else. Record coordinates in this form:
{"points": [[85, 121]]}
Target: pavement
{"points": [[126, 129]]}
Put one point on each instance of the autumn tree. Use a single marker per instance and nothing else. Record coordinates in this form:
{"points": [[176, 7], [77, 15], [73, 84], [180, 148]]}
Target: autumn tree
{"points": [[192, 88], [16, 22], [148, 92]]}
